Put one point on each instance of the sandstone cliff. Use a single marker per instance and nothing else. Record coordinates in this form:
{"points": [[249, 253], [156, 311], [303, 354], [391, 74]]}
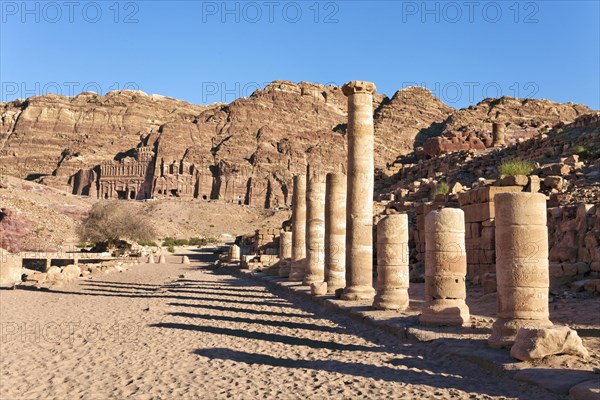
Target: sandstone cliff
{"points": [[128, 144]]}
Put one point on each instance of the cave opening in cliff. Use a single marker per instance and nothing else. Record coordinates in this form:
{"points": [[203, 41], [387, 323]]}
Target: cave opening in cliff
{"points": [[132, 195], [121, 195]]}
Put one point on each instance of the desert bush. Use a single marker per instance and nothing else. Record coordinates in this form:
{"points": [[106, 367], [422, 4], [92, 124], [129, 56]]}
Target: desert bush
{"points": [[148, 243], [515, 167], [109, 222], [196, 241], [441, 188], [169, 241], [581, 151]]}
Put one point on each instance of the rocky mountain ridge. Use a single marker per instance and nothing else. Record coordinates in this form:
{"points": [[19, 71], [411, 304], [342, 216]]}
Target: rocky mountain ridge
{"points": [[246, 151]]}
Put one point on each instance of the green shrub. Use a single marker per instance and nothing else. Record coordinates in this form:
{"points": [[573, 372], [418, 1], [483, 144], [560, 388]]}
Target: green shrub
{"points": [[581, 151], [559, 131], [196, 241], [171, 249], [515, 167], [441, 188], [148, 243], [212, 240]]}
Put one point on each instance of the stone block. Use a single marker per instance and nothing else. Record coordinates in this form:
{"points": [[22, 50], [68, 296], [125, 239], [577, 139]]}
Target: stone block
{"points": [[534, 184], [479, 212], [537, 343], [487, 194], [10, 269], [515, 180]]}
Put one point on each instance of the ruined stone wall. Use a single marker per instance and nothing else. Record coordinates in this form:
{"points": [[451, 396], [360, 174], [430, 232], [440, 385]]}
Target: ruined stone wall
{"points": [[574, 233]]}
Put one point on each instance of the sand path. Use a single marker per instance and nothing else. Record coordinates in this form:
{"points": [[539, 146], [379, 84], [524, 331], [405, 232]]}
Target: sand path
{"points": [[150, 334]]}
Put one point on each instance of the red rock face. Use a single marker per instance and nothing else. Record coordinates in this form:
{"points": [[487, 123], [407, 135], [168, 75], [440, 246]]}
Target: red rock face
{"points": [[14, 229]]}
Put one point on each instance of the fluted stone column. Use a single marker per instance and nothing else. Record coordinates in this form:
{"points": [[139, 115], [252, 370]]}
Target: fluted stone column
{"points": [[360, 181], [298, 229], [315, 227], [285, 253], [522, 270], [335, 232], [445, 268], [392, 263], [498, 134]]}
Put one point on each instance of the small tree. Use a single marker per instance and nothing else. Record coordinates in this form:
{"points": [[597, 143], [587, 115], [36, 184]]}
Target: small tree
{"points": [[112, 221]]}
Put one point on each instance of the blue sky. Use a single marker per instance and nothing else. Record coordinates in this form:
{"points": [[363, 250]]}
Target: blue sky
{"points": [[209, 51]]}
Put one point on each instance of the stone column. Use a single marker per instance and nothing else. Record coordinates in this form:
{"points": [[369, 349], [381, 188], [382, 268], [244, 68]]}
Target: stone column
{"points": [[498, 134], [445, 268], [315, 227], [285, 253], [522, 269], [234, 253], [360, 183], [392, 263], [335, 232], [298, 229]]}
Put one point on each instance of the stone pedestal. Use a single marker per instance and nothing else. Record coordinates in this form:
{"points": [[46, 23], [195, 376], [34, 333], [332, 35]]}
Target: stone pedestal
{"points": [[185, 260], [162, 259], [445, 268], [522, 269], [315, 227], [151, 259], [360, 181], [298, 229], [498, 134], [392, 263], [335, 232], [285, 253], [11, 268], [234, 253]]}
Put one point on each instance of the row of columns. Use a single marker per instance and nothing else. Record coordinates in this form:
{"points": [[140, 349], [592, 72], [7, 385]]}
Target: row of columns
{"points": [[331, 243]]}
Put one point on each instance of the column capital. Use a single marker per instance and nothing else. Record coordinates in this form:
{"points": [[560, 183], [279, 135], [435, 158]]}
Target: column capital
{"points": [[353, 87]]}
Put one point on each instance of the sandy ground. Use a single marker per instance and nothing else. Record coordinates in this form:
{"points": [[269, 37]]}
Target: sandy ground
{"points": [[190, 331]]}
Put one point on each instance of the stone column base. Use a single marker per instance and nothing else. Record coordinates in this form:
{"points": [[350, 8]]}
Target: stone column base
{"points": [[355, 293], [505, 330], [332, 287], [393, 299], [446, 312]]}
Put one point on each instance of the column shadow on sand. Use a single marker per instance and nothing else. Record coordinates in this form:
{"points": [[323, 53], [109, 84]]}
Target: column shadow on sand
{"points": [[269, 337], [244, 310], [357, 369], [262, 322]]}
